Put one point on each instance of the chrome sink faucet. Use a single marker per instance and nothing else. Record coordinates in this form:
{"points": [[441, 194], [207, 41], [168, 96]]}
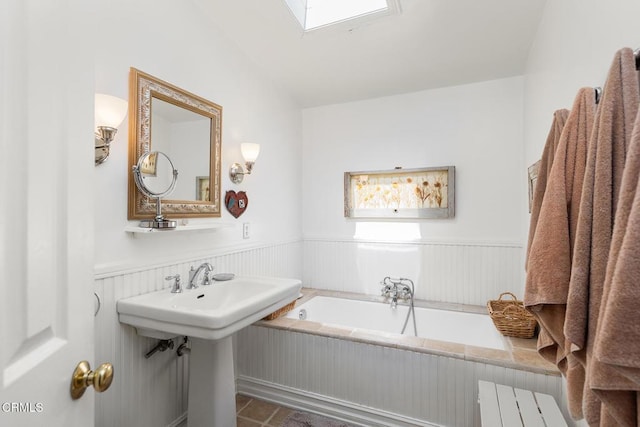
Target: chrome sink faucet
{"points": [[194, 272]]}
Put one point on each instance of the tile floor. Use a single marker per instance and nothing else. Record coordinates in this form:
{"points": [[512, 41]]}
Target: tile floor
{"points": [[253, 412]]}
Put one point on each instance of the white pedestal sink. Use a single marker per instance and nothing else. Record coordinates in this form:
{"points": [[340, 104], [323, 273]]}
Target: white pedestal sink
{"points": [[212, 384], [209, 315]]}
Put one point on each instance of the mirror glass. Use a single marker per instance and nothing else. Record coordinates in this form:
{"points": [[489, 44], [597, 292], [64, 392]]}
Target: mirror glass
{"points": [[184, 135], [156, 175], [187, 128]]}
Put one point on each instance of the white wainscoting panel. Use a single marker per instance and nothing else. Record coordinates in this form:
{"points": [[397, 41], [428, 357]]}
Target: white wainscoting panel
{"points": [[350, 378], [464, 273], [153, 392]]}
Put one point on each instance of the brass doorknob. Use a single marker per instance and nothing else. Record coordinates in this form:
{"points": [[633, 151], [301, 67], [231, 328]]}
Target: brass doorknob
{"points": [[83, 377]]}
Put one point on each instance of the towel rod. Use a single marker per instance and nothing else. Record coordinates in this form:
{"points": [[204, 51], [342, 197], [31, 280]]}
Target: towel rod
{"points": [[598, 91]]}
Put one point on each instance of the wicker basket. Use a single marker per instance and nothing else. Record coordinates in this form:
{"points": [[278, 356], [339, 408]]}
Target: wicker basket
{"points": [[511, 318], [279, 312]]}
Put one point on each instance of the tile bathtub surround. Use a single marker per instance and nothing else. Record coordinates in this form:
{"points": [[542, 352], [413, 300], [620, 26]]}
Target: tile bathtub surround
{"points": [[520, 354]]}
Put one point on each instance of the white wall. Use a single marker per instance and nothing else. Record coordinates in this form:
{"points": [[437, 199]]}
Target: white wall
{"points": [[176, 44], [574, 47], [478, 128]]}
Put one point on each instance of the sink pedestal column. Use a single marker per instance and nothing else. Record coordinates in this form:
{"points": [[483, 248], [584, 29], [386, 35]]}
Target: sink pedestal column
{"points": [[212, 388]]}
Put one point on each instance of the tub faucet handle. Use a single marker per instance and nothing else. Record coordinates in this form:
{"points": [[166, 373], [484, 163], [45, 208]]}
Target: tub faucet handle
{"points": [[405, 292]]}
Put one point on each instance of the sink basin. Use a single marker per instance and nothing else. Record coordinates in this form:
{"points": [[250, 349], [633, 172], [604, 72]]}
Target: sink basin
{"points": [[209, 312], [209, 315]]}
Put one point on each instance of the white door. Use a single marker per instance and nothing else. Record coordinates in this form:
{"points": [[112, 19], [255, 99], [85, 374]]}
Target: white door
{"points": [[46, 210]]}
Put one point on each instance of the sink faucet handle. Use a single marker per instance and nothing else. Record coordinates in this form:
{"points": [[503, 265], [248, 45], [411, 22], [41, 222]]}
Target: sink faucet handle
{"points": [[177, 285], [206, 280]]}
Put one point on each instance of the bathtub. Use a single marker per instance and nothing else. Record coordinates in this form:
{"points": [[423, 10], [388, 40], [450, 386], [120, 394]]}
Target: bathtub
{"points": [[347, 360], [435, 324]]}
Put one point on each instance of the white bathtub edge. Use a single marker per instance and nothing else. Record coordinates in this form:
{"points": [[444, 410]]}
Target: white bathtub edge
{"points": [[327, 406]]}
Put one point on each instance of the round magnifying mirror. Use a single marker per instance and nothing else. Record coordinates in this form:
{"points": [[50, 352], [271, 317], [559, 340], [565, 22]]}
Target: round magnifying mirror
{"points": [[156, 177]]}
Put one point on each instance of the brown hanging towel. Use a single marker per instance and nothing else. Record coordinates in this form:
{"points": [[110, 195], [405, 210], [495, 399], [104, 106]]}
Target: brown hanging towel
{"points": [[613, 126]]}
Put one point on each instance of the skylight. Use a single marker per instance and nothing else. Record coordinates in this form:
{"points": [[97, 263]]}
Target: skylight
{"points": [[314, 14]]}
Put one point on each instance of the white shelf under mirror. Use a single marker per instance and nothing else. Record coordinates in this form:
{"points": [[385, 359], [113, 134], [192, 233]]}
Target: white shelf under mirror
{"points": [[136, 230]]}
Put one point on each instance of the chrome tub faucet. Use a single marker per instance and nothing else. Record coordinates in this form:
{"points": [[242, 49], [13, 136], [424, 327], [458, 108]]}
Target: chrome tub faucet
{"points": [[396, 288], [404, 289]]}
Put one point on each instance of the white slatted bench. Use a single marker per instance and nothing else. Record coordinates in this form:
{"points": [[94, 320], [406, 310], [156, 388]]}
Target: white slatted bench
{"points": [[504, 406]]}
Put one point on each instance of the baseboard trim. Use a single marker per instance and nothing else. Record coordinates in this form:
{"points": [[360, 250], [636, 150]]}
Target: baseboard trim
{"points": [[324, 405]]}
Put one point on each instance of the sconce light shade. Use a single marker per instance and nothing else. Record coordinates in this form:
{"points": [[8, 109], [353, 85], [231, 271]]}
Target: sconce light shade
{"points": [[110, 111], [250, 153]]}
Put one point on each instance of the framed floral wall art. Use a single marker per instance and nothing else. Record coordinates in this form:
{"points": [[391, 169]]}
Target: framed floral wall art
{"points": [[422, 193]]}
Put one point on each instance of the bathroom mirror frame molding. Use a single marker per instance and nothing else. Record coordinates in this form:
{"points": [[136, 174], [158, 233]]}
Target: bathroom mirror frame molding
{"points": [[142, 89]]}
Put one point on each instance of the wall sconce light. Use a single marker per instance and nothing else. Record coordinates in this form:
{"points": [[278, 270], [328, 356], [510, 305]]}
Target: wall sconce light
{"points": [[110, 111], [250, 153]]}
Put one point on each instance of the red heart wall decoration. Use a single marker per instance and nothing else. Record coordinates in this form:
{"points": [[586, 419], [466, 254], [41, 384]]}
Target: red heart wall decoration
{"points": [[236, 203]]}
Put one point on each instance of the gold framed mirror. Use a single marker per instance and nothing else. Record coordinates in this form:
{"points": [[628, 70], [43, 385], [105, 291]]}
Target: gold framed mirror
{"points": [[188, 129]]}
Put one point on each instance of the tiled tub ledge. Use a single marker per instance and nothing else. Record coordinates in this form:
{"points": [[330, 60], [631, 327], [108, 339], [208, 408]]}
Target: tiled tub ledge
{"points": [[520, 353]]}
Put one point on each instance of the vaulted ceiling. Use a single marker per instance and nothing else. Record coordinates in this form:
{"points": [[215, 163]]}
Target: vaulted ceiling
{"points": [[429, 44]]}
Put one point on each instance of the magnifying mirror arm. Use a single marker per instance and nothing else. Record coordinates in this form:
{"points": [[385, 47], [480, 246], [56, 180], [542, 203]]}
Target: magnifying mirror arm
{"points": [[159, 216]]}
